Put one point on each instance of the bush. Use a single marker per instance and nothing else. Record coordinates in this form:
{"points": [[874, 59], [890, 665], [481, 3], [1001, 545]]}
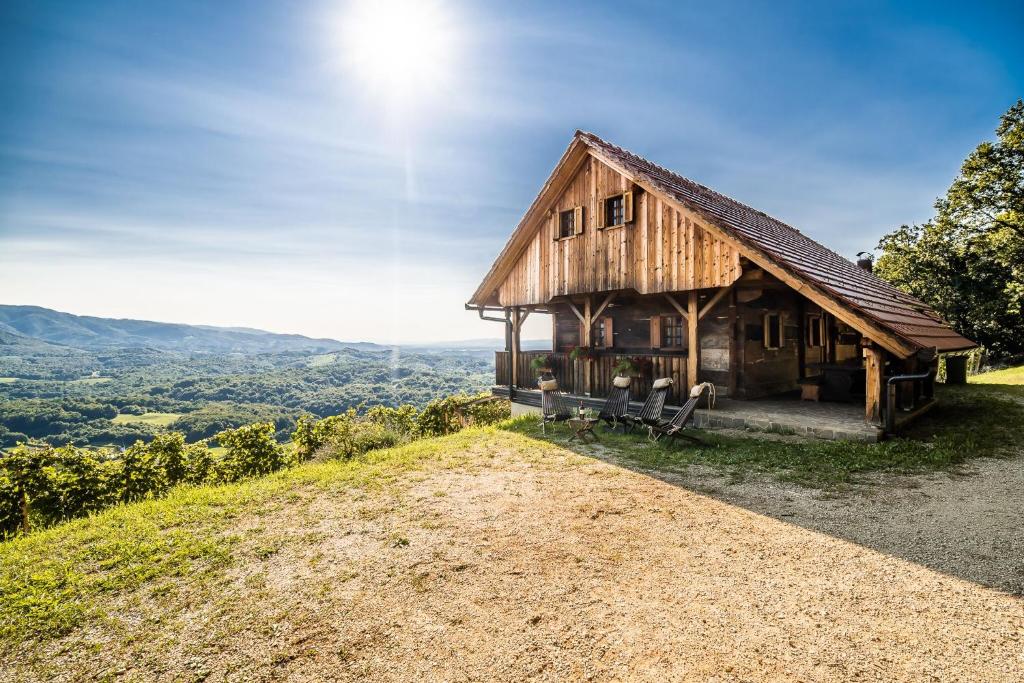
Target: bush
{"points": [[401, 420], [447, 415], [252, 450], [199, 463], [141, 473]]}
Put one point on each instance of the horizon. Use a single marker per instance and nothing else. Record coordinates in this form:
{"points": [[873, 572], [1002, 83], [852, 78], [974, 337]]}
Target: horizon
{"points": [[250, 165]]}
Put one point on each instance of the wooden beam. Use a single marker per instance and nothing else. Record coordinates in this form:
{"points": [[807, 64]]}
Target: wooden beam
{"points": [[693, 351], [604, 305], [588, 324], [576, 310], [874, 365], [675, 304], [514, 355], [719, 295], [734, 360]]}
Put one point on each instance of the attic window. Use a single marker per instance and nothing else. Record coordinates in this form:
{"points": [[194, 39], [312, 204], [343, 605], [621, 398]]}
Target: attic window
{"points": [[614, 211], [773, 333], [617, 210], [567, 223]]}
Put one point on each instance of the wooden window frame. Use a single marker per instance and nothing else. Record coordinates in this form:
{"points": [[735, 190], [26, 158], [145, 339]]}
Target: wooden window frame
{"points": [[815, 324], [668, 322], [767, 336], [606, 219], [604, 333], [576, 213]]}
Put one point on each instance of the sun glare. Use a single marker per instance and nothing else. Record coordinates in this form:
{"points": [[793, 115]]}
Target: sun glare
{"points": [[402, 50]]}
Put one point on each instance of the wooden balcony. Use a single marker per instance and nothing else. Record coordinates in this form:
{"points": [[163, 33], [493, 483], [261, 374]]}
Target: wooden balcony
{"points": [[572, 375]]}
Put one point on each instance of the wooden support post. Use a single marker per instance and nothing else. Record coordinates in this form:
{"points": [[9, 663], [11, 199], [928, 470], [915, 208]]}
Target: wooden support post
{"points": [[588, 325], [514, 355], [693, 350], [874, 365], [734, 333]]}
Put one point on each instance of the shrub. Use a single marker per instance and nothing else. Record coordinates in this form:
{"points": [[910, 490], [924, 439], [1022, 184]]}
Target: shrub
{"points": [[199, 463], [401, 420], [169, 451], [252, 450], [141, 473]]}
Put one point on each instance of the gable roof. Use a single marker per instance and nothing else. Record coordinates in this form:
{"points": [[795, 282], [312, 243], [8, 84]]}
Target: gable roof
{"points": [[853, 288]]}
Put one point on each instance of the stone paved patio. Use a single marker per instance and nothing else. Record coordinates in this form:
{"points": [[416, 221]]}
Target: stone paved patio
{"points": [[839, 421], [807, 418]]}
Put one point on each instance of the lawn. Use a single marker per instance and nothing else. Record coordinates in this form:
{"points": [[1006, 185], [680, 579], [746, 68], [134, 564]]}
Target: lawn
{"points": [[155, 419], [1006, 376]]}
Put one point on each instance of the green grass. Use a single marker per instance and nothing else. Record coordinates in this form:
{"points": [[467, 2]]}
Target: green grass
{"points": [[76, 574], [322, 360], [154, 419], [1006, 376], [91, 380], [968, 422]]}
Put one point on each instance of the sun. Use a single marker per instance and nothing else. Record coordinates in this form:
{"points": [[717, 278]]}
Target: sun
{"points": [[401, 49]]}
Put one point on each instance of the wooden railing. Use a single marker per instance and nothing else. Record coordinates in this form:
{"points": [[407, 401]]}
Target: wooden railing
{"points": [[572, 375]]}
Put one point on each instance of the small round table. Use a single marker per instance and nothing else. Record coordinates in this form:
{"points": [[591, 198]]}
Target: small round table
{"points": [[582, 427]]}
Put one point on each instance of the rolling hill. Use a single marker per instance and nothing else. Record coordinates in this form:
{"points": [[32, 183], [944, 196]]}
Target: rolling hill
{"points": [[92, 333]]}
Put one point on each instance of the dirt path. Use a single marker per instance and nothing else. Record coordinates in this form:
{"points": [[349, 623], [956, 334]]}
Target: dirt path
{"points": [[559, 568]]}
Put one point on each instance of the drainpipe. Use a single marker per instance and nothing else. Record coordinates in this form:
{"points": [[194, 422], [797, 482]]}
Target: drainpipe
{"points": [[508, 336]]}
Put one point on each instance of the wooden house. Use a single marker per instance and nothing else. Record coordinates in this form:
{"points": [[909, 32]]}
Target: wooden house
{"points": [[633, 261]]}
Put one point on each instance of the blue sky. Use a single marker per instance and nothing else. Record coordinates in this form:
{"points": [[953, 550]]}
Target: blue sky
{"points": [[227, 163]]}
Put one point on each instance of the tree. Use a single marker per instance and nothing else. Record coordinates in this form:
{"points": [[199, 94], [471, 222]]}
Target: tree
{"points": [[968, 261]]}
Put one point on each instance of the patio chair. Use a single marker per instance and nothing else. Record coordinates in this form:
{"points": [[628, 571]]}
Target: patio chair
{"points": [[616, 407], [553, 406], [675, 427], [650, 413]]}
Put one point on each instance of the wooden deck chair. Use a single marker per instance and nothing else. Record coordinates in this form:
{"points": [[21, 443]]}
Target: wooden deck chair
{"points": [[675, 427], [650, 413], [553, 406], [616, 407]]}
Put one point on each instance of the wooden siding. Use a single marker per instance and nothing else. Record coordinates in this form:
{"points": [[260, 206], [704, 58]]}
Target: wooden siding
{"points": [[662, 250]]}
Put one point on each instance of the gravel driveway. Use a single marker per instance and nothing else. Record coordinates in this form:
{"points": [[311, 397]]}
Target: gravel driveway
{"points": [[533, 563]]}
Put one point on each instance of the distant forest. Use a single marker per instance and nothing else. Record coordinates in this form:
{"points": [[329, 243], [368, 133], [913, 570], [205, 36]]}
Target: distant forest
{"points": [[110, 394]]}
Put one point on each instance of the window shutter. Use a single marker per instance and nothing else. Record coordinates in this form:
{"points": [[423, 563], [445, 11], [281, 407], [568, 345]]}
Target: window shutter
{"points": [[609, 335], [556, 228], [782, 330], [627, 207], [601, 211], [655, 331], [578, 219]]}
